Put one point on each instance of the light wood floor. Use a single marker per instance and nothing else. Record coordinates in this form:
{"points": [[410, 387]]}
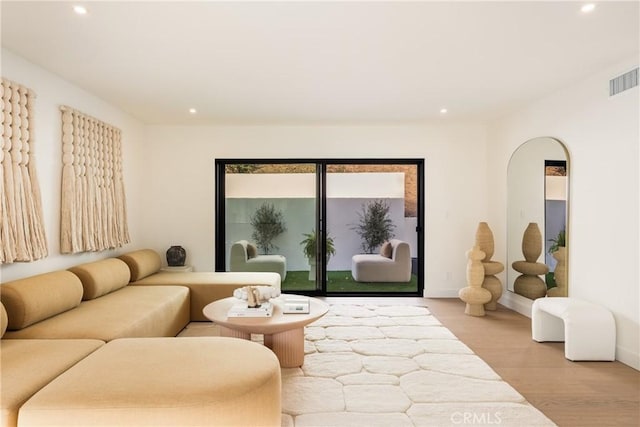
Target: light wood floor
{"points": [[569, 393]]}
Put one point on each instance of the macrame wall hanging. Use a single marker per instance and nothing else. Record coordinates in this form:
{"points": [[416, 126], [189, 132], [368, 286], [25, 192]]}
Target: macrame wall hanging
{"points": [[93, 216], [22, 236]]}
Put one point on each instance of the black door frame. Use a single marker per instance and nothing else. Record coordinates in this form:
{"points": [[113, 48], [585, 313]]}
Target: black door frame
{"points": [[321, 213]]}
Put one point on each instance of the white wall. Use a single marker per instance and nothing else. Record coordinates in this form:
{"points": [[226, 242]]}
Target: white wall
{"points": [[179, 181], [294, 196], [51, 92], [370, 185], [602, 136]]}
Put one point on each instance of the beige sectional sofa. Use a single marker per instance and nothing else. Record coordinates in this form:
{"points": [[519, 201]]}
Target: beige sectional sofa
{"points": [[204, 287], [84, 347], [52, 306]]}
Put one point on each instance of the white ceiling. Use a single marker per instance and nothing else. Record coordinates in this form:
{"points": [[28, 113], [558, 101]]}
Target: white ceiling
{"points": [[270, 62]]}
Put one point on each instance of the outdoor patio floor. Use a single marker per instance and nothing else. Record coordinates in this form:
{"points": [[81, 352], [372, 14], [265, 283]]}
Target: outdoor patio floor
{"points": [[342, 281]]}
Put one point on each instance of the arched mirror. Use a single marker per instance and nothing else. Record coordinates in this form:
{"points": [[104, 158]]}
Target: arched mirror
{"points": [[537, 219]]}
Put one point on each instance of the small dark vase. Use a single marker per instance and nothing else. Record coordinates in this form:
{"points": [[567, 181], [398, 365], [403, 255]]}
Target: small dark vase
{"points": [[176, 256]]}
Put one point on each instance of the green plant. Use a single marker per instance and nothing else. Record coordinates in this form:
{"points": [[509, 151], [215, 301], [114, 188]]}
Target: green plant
{"points": [[375, 226], [558, 242], [550, 280], [309, 246], [267, 223]]}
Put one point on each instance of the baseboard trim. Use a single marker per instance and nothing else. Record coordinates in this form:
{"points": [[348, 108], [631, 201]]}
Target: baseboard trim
{"points": [[441, 293], [628, 357], [517, 303]]}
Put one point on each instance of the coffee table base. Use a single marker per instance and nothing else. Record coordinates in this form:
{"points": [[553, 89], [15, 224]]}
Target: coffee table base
{"points": [[288, 346]]}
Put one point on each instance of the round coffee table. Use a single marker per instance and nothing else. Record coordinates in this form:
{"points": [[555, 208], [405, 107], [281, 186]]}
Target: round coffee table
{"points": [[283, 333]]}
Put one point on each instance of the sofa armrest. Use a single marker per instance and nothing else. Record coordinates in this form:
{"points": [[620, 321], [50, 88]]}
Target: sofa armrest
{"points": [[401, 253], [238, 255]]}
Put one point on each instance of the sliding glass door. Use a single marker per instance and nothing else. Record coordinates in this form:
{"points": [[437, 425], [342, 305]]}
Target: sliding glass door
{"points": [[328, 227], [270, 215], [372, 215]]}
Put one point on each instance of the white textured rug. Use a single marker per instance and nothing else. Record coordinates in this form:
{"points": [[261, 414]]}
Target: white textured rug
{"points": [[392, 366], [395, 366]]}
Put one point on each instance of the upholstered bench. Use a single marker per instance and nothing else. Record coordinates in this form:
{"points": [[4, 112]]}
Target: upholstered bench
{"points": [[588, 329], [164, 381]]}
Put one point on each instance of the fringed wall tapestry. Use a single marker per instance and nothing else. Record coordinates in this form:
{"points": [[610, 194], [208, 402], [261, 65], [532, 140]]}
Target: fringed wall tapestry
{"points": [[22, 236], [93, 216]]}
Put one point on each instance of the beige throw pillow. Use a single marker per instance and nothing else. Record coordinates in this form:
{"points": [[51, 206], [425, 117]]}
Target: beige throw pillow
{"points": [[386, 250], [39, 297], [142, 263], [102, 277], [252, 251]]}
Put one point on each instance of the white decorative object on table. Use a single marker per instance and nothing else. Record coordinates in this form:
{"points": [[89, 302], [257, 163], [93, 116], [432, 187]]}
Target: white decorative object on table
{"points": [[253, 297], [265, 292], [295, 304], [242, 310]]}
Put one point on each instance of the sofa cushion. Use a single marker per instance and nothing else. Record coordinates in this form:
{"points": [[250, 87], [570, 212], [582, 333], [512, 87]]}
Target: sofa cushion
{"points": [[206, 381], [29, 365], [133, 311], [386, 250], [142, 263], [102, 277], [36, 298], [3, 320], [252, 251]]}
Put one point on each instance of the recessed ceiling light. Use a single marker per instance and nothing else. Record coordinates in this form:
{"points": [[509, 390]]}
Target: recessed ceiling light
{"points": [[588, 8], [443, 111], [192, 110], [80, 10]]}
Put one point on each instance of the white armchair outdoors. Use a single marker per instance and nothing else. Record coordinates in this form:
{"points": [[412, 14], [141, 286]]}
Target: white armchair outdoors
{"points": [[379, 268], [244, 258]]}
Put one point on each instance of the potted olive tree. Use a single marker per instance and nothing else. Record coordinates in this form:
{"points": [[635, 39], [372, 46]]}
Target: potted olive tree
{"points": [[309, 249], [375, 227], [267, 223]]}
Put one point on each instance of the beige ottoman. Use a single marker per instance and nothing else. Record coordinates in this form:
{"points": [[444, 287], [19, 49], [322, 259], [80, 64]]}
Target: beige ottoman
{"points": [[164, 381]]}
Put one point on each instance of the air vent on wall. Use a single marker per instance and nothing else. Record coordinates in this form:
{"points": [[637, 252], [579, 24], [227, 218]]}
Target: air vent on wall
{"points": [[623, 82]]}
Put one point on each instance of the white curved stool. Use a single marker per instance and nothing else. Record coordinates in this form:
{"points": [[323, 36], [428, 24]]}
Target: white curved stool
{"points": [[588, 329]]}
